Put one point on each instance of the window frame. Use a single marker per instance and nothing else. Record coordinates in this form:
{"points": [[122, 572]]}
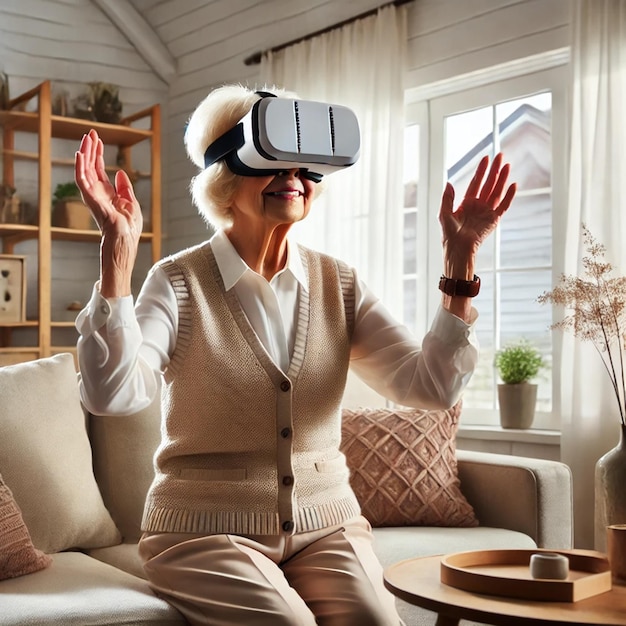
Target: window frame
{"points": [[428, 109]]}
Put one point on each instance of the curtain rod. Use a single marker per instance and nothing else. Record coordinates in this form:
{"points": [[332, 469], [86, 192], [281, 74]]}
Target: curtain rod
{"points": [[255, 58]]}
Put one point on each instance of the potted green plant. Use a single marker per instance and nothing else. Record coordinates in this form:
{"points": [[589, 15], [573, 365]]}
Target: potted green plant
{"points": [[68, 209], [517, 364], [63, 191]]}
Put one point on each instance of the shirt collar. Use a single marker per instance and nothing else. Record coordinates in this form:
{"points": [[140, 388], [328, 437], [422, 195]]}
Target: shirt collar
{"points": [[232, 267]]}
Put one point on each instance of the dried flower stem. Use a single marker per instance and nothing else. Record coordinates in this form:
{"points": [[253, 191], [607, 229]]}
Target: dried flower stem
{"points": [[597, 306]]}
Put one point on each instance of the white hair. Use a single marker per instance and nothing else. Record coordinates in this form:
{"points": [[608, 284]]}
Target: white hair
{"points": [[214, 187]]}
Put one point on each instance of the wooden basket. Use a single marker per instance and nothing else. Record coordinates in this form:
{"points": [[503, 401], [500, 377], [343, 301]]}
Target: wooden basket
{"points": [[507, 573], [74, 214]]}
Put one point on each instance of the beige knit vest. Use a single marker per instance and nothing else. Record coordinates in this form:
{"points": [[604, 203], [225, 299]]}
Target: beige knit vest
{"points": [[247, 448]]}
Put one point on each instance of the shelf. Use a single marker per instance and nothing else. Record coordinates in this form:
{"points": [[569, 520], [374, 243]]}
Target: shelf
{"points": [[20, 155], [20, 231], [26, 324], [73, 128], [12, 356], [23, 232], [39, 121], [73, 234]]}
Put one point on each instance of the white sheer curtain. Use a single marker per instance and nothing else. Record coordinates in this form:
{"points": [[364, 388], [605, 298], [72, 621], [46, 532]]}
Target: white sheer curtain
{"points": [[358, 216], [590, 423]]}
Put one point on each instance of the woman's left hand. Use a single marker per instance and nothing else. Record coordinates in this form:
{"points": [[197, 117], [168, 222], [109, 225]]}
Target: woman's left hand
{"points": [[465, 228]]}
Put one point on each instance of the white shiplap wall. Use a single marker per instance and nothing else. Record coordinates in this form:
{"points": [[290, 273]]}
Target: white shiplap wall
{"points": [[448, 38]]}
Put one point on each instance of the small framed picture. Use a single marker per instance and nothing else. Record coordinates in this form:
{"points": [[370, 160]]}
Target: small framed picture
{"points": [[12, 289]]}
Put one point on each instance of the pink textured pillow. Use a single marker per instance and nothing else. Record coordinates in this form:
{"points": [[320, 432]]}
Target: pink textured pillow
{"points": [[18, 555], [403, 467]]}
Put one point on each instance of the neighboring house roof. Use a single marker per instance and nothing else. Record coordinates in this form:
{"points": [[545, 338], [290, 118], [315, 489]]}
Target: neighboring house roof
{"points": [[516, 127]]}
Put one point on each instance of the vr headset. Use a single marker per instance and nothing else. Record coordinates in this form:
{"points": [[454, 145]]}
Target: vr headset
{"points": [[280, 134]]}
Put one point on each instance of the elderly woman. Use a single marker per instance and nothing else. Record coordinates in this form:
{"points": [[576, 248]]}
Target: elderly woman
{"points": [[250, 518]]}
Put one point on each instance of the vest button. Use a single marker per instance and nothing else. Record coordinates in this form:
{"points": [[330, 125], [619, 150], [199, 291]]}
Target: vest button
{"points": [[287, 480], [285, 432], [288, 526], [285, 385]]}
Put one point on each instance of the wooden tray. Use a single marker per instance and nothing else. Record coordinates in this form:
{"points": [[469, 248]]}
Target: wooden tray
{"points": [[507, 573]]}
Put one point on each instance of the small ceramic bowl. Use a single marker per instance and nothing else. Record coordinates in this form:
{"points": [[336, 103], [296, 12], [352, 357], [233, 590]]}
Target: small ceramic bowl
{"points": [[549, 565]]}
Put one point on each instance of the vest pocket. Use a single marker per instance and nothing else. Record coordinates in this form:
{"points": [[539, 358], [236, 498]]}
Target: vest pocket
{"points": [[331, 465], [192, 473]]}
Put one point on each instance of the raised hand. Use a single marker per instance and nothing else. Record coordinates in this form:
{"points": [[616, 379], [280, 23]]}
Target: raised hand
{"points": [[116, 211], [465, 228]]}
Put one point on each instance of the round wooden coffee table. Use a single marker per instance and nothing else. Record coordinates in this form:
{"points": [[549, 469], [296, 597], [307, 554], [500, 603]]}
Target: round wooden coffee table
{"points": [[417, 581]]}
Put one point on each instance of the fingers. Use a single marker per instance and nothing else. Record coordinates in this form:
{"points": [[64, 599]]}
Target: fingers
{"points": [[124, 187], [84, 163], [491, 191], [474, 186], [494, 197], [486, 190], [508, 198], [98, 158], [447, 201]]}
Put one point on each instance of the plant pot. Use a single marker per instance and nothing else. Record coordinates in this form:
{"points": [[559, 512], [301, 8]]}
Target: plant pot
{"points": [[72, 213], [517, 405]]}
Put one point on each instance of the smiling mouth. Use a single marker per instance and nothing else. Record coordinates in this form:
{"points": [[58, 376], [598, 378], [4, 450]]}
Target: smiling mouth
{"points": [[292, 193]]}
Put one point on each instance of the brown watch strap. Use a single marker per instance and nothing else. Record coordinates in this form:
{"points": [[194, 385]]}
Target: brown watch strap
{"points": [[458, 287]]}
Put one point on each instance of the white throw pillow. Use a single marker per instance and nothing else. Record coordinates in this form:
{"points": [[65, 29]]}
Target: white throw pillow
{"points": [[45, 456]]}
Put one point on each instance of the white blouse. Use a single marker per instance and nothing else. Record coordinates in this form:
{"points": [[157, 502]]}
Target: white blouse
{"points": [[123, 348]]}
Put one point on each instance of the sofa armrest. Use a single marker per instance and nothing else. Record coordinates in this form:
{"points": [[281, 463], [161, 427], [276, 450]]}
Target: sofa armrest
{"points": [[532, 496]]}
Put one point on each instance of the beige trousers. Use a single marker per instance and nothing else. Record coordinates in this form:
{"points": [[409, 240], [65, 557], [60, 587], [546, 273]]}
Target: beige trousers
{"points": [[330, 577]]}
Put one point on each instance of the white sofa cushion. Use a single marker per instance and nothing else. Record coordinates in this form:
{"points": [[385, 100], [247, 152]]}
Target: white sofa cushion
{"points": [[406, 542], [45, 456], [77, 590]]}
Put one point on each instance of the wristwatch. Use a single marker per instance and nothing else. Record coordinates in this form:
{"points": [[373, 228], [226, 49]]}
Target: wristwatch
{"points": [[458, 287]]}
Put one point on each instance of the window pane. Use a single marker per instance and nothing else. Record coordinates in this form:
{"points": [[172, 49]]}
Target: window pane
{"points": [[410, 242], [409, 293], [515, 315], [410, 224], [525, 138], [480, 391], [466, 135], [523, 317], [411, 164], [526, 232], [515, 262]]}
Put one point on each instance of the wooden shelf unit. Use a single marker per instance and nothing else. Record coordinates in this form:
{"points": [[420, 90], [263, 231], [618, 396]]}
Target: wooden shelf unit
{"points": [[47, 127]]}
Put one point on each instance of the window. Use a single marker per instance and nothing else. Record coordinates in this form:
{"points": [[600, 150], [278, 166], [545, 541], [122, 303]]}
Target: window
{"points": [[524, 118]]}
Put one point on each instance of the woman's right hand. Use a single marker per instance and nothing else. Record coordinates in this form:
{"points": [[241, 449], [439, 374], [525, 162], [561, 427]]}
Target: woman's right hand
{"points": [[116, 211]]}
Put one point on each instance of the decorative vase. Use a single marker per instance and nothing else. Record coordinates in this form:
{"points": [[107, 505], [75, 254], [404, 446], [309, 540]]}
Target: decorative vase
{"points": [[610, 491], [517, 404]]}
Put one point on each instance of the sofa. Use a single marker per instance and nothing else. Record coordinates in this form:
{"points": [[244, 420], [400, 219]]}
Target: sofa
{"points": [[72, 487]]}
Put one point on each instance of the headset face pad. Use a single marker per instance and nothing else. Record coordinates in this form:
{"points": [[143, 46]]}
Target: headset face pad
{"points": [[279, 134]]}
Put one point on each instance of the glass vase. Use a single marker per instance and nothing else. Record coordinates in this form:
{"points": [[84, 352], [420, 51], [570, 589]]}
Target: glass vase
{"points": [[610, 490]]}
